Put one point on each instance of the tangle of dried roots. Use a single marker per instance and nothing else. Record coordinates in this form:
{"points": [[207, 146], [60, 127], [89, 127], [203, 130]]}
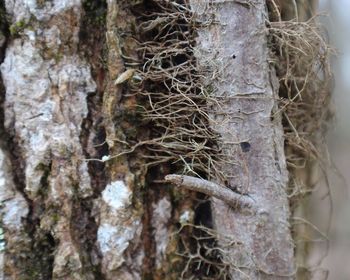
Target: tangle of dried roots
{"points": [[204, 258], [305, 81], [172, 96], [302, 56]]}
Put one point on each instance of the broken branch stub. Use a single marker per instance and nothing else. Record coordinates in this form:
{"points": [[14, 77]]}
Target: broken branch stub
{"points": [[233, 199]]}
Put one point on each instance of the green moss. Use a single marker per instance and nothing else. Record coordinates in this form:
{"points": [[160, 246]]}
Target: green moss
{"points": [[33, 274], [55, 217], [17, 27], [58, 57], [96, 11]]}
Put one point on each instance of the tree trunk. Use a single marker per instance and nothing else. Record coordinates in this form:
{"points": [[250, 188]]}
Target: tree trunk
{"points": [[80, 202], [237, 45]]}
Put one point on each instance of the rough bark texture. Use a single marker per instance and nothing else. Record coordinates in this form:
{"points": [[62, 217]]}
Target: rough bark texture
{"points": [[47, 85], [119, 222], [67, 216], [237, 47]]}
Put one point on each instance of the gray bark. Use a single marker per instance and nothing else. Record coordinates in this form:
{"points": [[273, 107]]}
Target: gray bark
{"points": [[236, 47], [47, 84]]}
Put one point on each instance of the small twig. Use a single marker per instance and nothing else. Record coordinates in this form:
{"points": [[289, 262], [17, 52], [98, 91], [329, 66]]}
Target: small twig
{"points": [[212, 189], [248, 3]]}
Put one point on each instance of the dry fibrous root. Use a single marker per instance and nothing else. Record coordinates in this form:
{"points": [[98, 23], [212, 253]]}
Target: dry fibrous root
{"points": [[172, 99], [173, 103], [305, 81], [204, 258], [302, 65]]}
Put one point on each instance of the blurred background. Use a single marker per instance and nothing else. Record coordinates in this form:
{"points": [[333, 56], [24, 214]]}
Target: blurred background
{"points": [[325, 219]]}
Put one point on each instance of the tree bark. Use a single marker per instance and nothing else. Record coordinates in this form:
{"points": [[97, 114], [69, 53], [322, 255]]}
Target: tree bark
{"points": [[236, 46], [47, 84], [70, 209]]}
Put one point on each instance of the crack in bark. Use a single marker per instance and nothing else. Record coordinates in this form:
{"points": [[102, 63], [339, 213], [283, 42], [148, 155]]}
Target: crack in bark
{"points": [[92, 44]]}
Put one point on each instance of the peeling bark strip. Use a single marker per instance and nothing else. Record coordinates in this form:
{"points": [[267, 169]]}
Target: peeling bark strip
{"points": [[236, 46]]}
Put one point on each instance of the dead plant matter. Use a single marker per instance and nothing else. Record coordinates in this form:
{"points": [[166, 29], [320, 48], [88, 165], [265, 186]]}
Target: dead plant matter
{"points": [[171, 94], [305, 84], [174, 100], [302, 57], [204, 258]]}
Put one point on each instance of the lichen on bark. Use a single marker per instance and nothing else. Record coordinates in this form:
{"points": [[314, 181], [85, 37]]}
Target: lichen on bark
{"points": [[47, 85]]}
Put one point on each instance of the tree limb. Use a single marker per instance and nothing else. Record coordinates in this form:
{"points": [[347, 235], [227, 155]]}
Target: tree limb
{"points": [[212, 189]]}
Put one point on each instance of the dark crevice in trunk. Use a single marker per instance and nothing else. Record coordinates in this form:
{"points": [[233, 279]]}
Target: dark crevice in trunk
{"points": [[92, 47], [152, 194], [43, 249], [158, 25], [147, 234], [203, 215], [43, 245]]}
